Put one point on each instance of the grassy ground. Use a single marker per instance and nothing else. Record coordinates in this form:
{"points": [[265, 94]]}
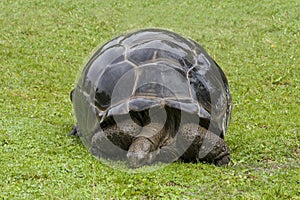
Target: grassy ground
{"points": [[43, 44]]}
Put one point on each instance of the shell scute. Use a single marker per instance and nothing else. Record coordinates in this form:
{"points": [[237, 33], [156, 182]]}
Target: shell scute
{"points": [[115, 84]]}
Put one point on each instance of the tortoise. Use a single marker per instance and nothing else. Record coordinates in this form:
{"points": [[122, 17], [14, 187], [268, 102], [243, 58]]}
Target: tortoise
{"points": [[153, 96]]}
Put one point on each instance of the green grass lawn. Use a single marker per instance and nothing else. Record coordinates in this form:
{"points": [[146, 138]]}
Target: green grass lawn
{"points": [[43, 46]]}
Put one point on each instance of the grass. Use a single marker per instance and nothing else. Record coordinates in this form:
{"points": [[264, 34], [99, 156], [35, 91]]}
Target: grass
{"points": [[44, 44]]}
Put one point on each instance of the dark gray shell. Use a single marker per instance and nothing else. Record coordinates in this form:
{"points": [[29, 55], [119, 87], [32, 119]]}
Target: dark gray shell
{"points": [[150, 68]]}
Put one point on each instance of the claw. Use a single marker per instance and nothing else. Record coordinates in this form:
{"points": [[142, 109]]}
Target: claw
{"points": [[222, 161], [74, 131]]}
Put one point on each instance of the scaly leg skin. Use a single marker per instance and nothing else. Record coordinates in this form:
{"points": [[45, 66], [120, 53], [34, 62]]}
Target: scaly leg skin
{"points": [[114, 141], [194, 143], [206, 146]]}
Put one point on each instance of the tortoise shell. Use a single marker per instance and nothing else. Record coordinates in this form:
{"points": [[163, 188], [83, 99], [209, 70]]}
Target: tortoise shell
{"points": [[149, 68]]}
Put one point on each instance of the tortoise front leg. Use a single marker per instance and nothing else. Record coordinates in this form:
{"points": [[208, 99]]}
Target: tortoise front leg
{"points": [[114, 141], [105, 145], [205, 145], [194, 143]]}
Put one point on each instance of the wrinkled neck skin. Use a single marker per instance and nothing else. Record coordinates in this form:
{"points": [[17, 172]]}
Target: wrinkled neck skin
{"points": [[154, 132], [159, 125], [145, 144], [148, 134], [142, 134]]}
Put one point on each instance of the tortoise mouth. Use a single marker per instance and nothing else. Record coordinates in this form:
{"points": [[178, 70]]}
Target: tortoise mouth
{"points": [[143, 103]]}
